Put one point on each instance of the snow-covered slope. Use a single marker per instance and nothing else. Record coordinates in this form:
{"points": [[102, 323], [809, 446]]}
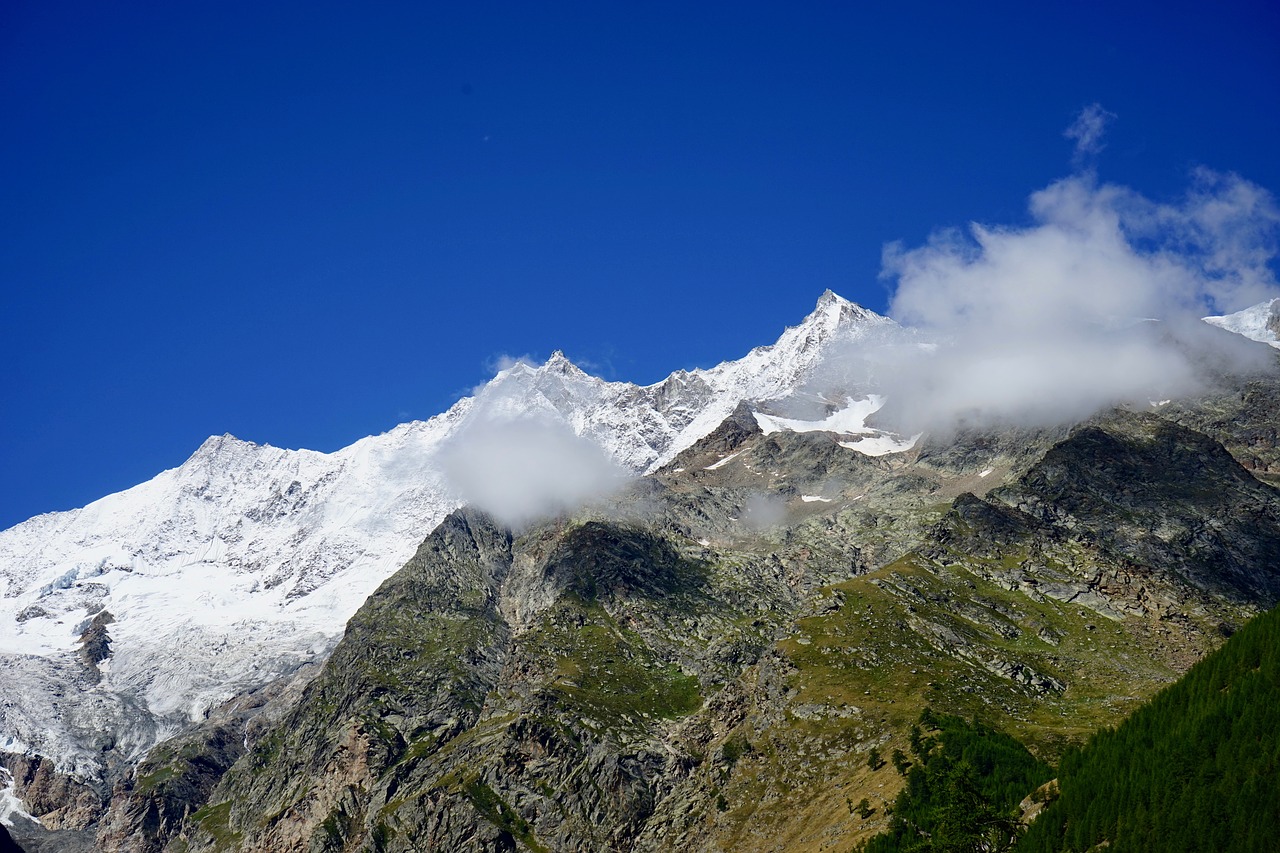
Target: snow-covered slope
{"points": [[1259, 323], [247, 560], [643, 427], [850, 422]]}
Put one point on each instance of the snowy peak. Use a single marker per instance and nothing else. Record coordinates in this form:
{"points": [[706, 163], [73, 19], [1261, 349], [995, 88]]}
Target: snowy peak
{"points": [[835, 311], [834, 316], [643, 427], [780, 369], [522, 371], [833, 319], [1260, 322], [560, 363]]}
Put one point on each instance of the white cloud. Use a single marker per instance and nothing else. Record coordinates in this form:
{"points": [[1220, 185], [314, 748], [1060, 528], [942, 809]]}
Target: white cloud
{"points": [[1041, 323], [1225, 230], [526, 467], [762, 511], [502, 362], [516, 457]]}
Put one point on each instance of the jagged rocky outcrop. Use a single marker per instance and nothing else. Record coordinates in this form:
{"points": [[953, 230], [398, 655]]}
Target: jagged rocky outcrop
{"points": [[1153, 493], [148, 806]]}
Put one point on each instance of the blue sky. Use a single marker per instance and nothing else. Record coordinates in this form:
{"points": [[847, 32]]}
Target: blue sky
{"points": [[305, 223]]}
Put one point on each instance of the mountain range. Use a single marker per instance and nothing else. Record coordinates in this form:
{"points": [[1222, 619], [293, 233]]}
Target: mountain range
{"points": [[223, 624], [246, 561]]}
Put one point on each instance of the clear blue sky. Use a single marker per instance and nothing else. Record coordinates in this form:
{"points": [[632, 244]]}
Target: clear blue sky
{"points": [[303, 223]]}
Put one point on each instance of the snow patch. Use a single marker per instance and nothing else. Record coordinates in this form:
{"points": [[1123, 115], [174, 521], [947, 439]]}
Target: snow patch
{"points": [[811, 498], [882, 444], [725, 461], [850, 421], [11, 808]]}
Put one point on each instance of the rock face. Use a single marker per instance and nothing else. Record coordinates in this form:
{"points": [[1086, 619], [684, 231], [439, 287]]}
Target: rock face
{"points": [[7, 844], [149, 805], [657, 675], [60, 800], [1153, 493]]}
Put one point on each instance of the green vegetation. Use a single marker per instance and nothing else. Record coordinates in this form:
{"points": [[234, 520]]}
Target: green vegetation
{"points": [[154, 779], [914, 634], [926, 632], [500, 814], [1196, 769], [734, 748], [215, 820], [608, 673], [963, 792], [598, 559]]}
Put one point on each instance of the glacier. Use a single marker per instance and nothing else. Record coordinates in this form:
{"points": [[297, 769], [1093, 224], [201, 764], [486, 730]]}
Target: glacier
{"points": [[1260, 322]]}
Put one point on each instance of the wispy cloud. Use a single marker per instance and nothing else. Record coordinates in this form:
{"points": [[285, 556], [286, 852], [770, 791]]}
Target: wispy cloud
{"points": [[502, 362], [1088, 129], [515, 457]]}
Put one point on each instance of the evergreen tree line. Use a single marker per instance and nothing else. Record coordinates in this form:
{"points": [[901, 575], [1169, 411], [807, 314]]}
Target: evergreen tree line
{"points": [[963, 789], [1198, 768]]}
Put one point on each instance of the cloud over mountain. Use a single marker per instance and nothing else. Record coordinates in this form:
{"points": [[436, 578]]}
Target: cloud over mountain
{"points": [[1038, 322], [524, 468]]}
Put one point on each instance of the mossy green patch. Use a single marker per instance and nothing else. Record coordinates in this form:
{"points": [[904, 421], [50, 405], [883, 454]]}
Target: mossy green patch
{"points": [[215, 820], [157, 777], [498, 812], [911, 635], [606, 672]]}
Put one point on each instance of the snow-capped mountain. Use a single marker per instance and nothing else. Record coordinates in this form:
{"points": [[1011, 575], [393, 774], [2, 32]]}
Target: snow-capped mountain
{"points": [[1260, 322], [247, 560]]}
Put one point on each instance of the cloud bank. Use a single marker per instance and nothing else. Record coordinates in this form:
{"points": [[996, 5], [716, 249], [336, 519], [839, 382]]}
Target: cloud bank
{"points": [[1047, 323], [1095, 303]]}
